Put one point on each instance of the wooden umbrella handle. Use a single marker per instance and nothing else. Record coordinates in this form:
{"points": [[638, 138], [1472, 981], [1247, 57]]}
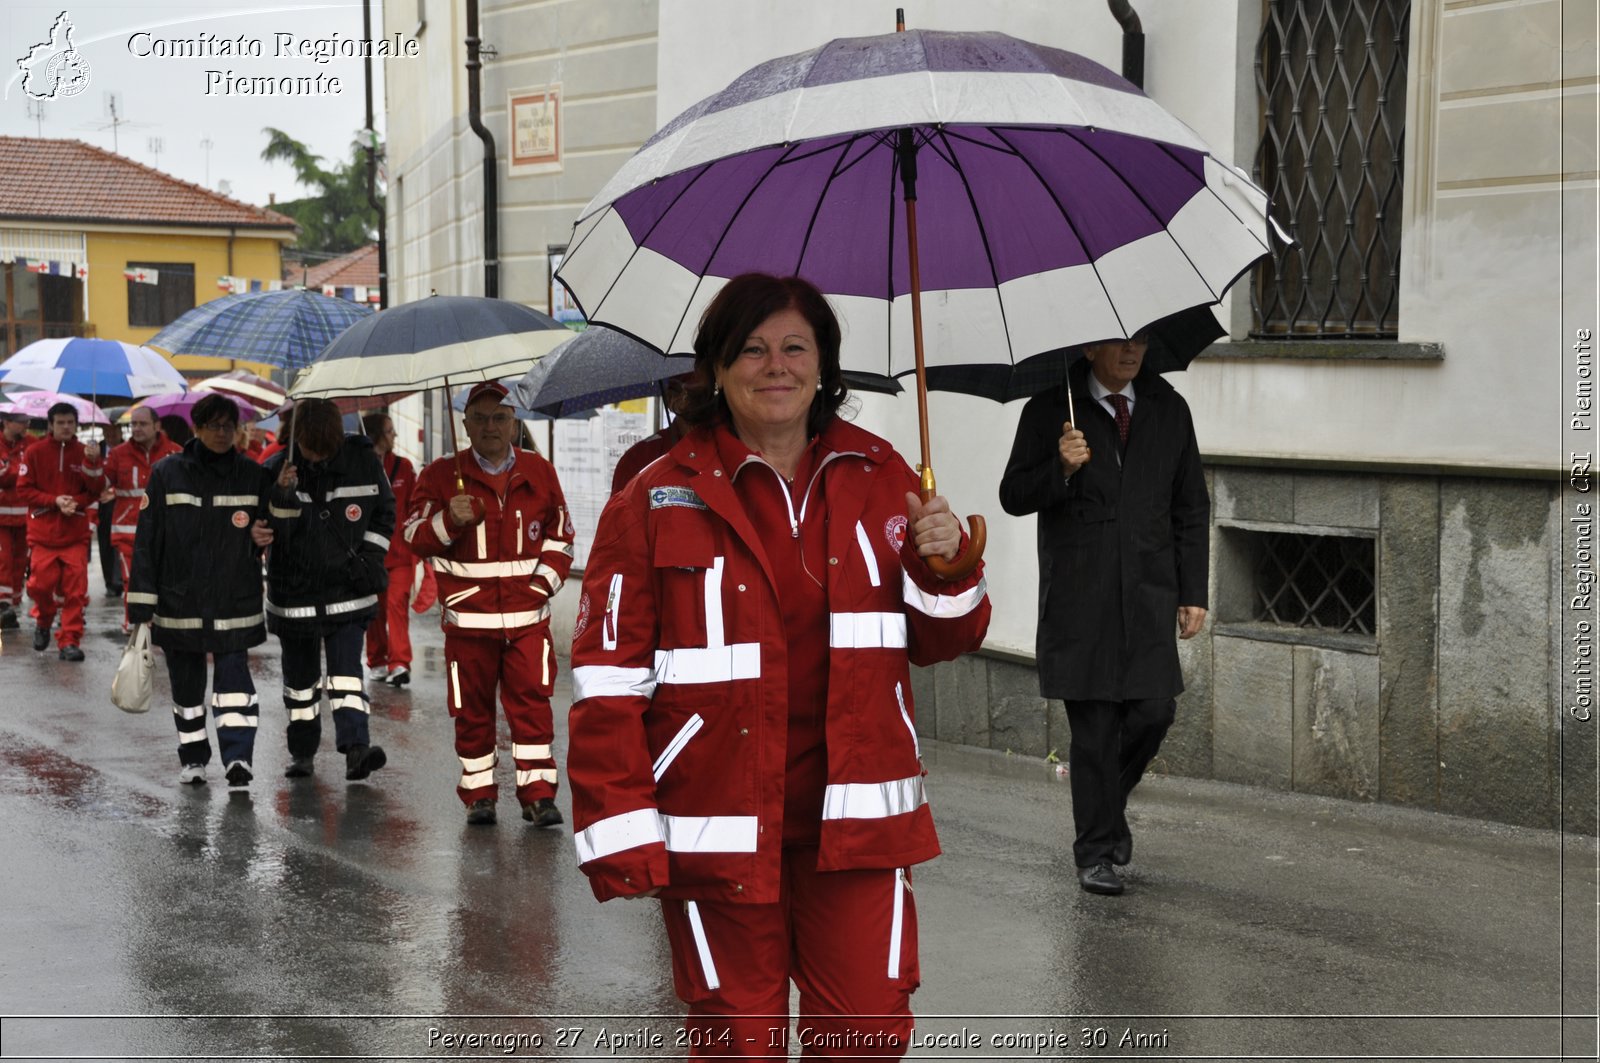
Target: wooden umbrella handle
{"points": [[977, 539]]}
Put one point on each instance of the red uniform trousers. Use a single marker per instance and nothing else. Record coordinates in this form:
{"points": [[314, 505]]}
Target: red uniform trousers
{"points": [[522, 663], [848, 939], [13, 562], [389, 633], [58, 579], [123, 545]]}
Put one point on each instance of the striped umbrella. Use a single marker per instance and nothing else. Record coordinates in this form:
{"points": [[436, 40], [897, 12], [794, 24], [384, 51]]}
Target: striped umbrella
{"points": [[429, 343], [81, 366], [261, 396], [285, 328]]}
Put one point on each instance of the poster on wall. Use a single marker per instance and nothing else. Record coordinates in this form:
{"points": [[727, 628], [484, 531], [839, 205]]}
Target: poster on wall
{"points": [[535, 140], [585, 453]]}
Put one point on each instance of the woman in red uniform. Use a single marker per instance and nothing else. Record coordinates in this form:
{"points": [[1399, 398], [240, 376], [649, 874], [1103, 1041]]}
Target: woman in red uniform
{"points": [[742, 741]]}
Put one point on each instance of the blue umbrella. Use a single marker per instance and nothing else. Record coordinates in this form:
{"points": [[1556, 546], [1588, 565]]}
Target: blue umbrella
{"points": [[286, 328], [429, 343], [80, 366]]}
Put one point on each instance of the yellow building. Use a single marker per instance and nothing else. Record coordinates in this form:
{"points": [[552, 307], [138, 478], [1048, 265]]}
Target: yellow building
{"points": [[95, 244]]}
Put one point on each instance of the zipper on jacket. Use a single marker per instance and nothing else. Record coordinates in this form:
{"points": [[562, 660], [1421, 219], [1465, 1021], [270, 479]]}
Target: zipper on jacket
{"points": [[899, 695], [519, 533]]}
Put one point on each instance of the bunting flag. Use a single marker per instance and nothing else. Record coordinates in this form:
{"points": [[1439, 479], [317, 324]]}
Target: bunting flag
{"points": [[275, 285], [255, 285], [330, 291], [374, 295], [358, 294], [225, 283], [142, 275], [54, 268]]}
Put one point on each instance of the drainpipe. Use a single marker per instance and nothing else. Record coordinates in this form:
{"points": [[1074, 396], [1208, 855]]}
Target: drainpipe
{"points": [[1132, 40], [372, 166], [491, 212]]}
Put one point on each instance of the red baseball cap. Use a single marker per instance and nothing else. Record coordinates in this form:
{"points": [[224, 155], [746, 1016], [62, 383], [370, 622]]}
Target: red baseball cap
{"points": [[489, 388]]}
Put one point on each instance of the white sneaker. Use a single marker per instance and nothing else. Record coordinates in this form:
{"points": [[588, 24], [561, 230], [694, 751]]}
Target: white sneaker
{"points": [[378, 673], [398, 676], [192, 775]]}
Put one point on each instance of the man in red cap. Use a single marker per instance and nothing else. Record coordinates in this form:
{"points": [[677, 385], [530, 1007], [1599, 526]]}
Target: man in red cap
{"points": [[14, 439], [495, 523], [127, 472]]}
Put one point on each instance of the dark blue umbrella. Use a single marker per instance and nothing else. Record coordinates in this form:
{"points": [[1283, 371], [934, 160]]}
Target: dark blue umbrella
{"points": [[286, 328], [429, 343], [459, 404]]}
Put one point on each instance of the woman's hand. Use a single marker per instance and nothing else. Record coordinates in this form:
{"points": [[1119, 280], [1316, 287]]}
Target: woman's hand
{"points": [[933, 528], [288, 476], [261, 534]]}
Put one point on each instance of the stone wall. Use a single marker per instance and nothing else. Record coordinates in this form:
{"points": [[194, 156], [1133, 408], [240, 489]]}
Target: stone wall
{"points": [[1452, 703]]}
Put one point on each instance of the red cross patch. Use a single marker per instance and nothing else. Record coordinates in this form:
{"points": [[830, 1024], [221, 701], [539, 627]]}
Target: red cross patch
{"points": [[895, 529], [241, 519], [352, 512]]}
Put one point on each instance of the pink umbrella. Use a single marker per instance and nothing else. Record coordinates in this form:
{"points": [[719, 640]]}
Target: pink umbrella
{"points": [[38, 403], [182, 402]]}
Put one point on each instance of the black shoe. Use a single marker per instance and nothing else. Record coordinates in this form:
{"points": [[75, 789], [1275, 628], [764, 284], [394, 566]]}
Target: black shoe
{"points": [[1101, 878], [481, 813], [361, 761], [542, 813], [399, 677], [1122, 851], [300, 767], [70, 653], [239, 777], [8, 619], [41, 637]]}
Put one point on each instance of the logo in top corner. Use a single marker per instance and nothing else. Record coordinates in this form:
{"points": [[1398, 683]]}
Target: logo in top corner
{"points": [[54, 69]]}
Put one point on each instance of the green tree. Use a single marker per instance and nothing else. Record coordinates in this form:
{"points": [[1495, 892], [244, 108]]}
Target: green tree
{"points": [[337, 217]]}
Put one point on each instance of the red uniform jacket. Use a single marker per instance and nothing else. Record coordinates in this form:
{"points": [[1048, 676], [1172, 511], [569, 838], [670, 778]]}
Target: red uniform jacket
{"points": [[402, 478], [13, 511], [676, 749], [49, 469], [127, 472], [501, 572]]}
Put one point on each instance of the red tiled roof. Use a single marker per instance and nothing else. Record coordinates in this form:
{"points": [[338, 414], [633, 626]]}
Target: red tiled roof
{"points": [[68, 180], [355, 267]]}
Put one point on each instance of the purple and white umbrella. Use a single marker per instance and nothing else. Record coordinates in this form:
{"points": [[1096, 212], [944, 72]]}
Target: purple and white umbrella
{"points": [[1060, 204], [38, 403]]}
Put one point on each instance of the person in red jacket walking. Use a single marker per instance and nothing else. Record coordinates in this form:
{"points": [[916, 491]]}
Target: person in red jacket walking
{"points": [[58, 480], [13, 518], [389, 633], [495, 522], [127, 473], [742, 742]]}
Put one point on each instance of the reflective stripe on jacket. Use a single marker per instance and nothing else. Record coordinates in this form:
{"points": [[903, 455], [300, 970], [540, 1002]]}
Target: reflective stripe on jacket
{"points": [[501, 572], [676, 751], [128, 474]]}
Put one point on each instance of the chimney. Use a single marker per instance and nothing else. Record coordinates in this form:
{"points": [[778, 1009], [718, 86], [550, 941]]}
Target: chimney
{"points": [[272, 199]]}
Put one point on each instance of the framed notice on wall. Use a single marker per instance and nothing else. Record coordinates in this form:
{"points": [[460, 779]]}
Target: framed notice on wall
{"points": [[535, 130]]}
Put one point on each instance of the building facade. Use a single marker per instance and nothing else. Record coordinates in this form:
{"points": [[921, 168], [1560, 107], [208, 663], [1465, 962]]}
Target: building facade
{"points": [[96, 244], [1391, 431]]}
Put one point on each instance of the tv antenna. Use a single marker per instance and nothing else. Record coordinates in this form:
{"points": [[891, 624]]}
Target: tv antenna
{"points": [[156, 146], [36, 112], [112, 111], [206, 144]]}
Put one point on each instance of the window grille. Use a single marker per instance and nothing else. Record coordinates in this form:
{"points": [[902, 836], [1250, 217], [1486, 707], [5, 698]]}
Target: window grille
{"points": [[1331, 76], [1325, 582]]}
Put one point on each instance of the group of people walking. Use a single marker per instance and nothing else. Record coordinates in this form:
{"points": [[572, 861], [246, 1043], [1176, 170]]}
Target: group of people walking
{"points": [[742, 743]]}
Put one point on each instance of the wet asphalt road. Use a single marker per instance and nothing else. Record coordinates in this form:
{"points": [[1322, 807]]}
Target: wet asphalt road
{"points": [[324, 919]]}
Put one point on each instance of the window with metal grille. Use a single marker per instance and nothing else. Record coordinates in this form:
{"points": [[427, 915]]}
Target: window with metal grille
{"points": [[1331, 76], [1325, 582]]}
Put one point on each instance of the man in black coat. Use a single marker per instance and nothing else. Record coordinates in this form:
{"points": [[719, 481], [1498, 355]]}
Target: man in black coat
{"points": [[1124, 540]]}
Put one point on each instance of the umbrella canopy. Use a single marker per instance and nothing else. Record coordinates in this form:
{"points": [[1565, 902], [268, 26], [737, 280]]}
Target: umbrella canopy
{"points": [[1063, 205], [284, 328], [425, 343], [181, 403], [262, 396], [81, 366], [595, 368], [1175, 341], [38, 403]]}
